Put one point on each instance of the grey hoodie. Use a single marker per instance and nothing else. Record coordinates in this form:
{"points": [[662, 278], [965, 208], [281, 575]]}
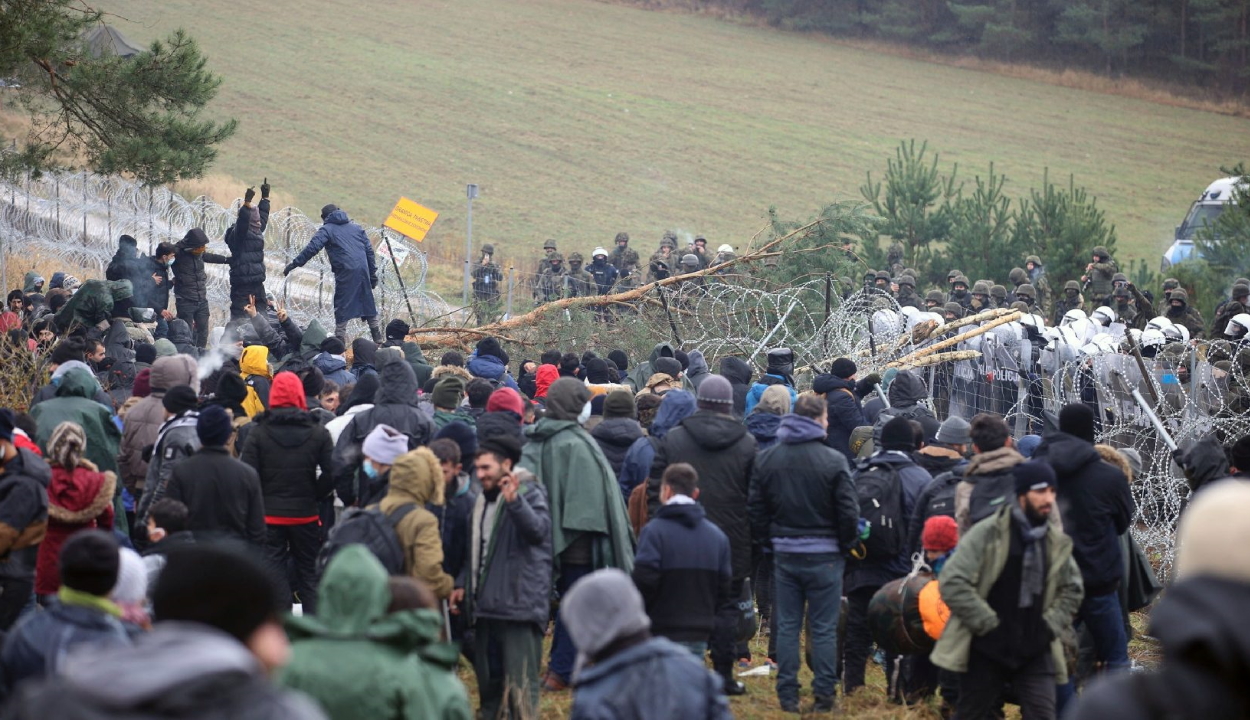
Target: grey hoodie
{"points": [[698, 370]]}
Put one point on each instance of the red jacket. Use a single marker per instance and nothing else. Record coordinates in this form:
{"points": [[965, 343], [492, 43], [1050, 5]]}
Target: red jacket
{"points": [[77, 500]]}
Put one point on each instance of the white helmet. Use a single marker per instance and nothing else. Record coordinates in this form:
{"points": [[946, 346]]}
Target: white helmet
{"points": [[910, 314], [1036, 321], [726, 248], [1238, 326], [1101, 344], [1152, 338], [1103, 316], [1158, 323], [1176, 333], [1072, 316], [1136, 335], [599, 251], [886, 322]]}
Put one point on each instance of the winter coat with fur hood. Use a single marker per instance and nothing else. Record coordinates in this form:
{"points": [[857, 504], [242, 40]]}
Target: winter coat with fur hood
{"points": [[78, 499]]}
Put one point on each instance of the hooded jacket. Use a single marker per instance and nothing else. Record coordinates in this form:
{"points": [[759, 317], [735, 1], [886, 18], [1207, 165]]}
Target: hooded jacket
{"points": [[334, 369], [803, 488], [615, 436], [359, 661], [638, 376], [222, 495], [364, 356], [395, 404], [291, 453], [905, 393], [683, 571], [763, 427], [738, 373], [24, 481], [723, 453], [845, 413], [1097, 507], [351, 260], [653, 679], [182, 671], [40, 643], [417, 479], [254, 367], [78, 499], [767, 380], [190, 278], [991, 475], [180, 336], [74, 402], [144, 420], [698, 370], [636, 467], [491, 368]]}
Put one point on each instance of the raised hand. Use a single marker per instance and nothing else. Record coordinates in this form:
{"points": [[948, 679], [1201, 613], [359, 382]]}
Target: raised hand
{"points": [[264, 189], [249, 194]]}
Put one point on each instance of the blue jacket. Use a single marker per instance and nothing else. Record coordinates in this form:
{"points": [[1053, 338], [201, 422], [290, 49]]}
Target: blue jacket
{"points": [[677, 406], [757, 390], [334, 368], [490, 367], [683, 572], [763, 427], [352, 261], [653, 679], [40, 642], [845, 413]]}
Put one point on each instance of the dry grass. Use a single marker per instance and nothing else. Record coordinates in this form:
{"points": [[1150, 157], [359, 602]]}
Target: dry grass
{"points": [[224, 189]]}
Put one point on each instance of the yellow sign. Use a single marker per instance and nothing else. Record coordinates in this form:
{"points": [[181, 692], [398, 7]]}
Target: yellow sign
{"points": [[410, 219]]}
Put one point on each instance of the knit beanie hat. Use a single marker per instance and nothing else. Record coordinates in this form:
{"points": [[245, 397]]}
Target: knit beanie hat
{"points": [[843, 368], [179, 399], [774, 401], [940, 534], [397, 330], [220, 586], [384, 443], [143, 384], [461, 434], [165, 348], [681, 357], [600, 609], [898, 435], [1027, 445], [1133, 458], [1034, 475], [89, 562], [213, 426], [668, 366], [145, 353], [955, 431], [716, 393], [287, 391], [506, 399], [1077, 420], [1214, 538], [597, 371], [132, 579], [448, 392], [231, 389], [931, 428], [621, 359], [490, 346], [566, 397], [66, 445], [333, 345], [619, 404]]}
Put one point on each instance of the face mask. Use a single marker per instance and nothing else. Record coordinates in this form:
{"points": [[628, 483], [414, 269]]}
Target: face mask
{"points": [[584, 415], [370, 471], [959, 293], [169, 262]]}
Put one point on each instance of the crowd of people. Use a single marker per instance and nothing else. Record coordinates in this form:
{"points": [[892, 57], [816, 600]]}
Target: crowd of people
{"points": [[264, 520]]}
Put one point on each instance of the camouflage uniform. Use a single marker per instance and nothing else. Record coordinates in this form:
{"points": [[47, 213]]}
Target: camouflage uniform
{"points": [[1037, 278], [981, 297], [1027, 295], [998, 296], [1126, 308], [551, 283], [701, 253], [894, 258], [1071, 300], [1169, 285], [544, 263], [486, 277], [1230, 309], [580, 282], [961, 297], [661, 265], [1185, 314], [1100, 275], [625, 260], [907, 296], [934, 300]]}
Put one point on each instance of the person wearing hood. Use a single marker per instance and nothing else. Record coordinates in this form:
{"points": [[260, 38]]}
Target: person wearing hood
{"points": [[372, 653], [544, 376], [359, 398], [637, 378], [780, 369], [127, 263], [865, 577], [682, 568], [254, 367], [739, 374], [1180, 312], [75, 403], [24, 479], [354, 266], [764, 420], [32, 283], [67, 355], [80, 616], [722, 451], [218, 634], [676, 406], [589, 524], [222, 495], [1199, 623], [490, 362], [415, 480], [619, 429], [332, 363], [505, 414], [804, 502], [177, 439], [599, 379], [1097, 507], [698, 370], [505, 585], [144, 420], [845, 413], [364, 356], [246, 240], [623, 671], [191, 282], [80, 497]]}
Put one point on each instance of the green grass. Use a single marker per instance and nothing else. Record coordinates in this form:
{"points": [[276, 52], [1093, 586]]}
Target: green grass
{"points": [[579, 119]]}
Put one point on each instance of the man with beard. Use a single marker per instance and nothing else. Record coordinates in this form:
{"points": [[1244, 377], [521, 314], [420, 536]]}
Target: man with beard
{"points": [[1012, 587]]}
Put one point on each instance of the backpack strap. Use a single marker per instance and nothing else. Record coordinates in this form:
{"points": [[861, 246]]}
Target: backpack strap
{"points": [[396, 516]]}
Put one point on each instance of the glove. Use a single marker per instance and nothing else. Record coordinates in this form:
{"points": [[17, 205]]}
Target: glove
{"points": [[373, 283], [287, 270], [247, 196], [264, 189]]}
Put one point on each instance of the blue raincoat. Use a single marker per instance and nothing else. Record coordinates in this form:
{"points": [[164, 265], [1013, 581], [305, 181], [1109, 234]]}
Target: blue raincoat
{"points": [[352, 260]]}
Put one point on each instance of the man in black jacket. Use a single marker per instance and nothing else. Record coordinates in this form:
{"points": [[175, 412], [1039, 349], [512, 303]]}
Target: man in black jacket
{"points": [[1097, 506], [191, 282], [844, 413], [24, 478], [722, 451], [246, 240], [287, 447], [804, 505], [222, 495]]}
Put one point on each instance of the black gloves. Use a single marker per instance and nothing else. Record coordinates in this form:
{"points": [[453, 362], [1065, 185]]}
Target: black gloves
{"points": [[287, 270], [247, 196], [264, 189]]}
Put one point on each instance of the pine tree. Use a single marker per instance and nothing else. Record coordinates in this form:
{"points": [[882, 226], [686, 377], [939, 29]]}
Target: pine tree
{"points": [[139, 116], [1061, 226], [981, 240], [1110, 29]]}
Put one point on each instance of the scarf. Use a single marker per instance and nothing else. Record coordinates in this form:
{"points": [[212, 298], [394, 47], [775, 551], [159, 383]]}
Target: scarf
{"points": [[1033, 571], [78, 598]]}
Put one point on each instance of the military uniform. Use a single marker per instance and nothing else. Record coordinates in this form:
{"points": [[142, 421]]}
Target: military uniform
{"points": [[1045, 298], [625, 260], [487, 277], [934, 300], [551, 284], [981, 297], [1026, 294], [1126, 308], [907, 296], [1100, 274], [1234, 307], [894, 260], [1071, 300], [662, 261], [1185, 314], [1169, 285], [580, 283], [998, 296], [959, 293]]}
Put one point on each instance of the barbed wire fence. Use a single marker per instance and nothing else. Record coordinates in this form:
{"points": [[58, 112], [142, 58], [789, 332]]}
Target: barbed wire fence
{"points": [[76, 219]]}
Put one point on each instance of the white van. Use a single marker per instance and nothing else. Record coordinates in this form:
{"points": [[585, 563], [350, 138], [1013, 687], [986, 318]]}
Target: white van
{"points": [[1203, 212]]}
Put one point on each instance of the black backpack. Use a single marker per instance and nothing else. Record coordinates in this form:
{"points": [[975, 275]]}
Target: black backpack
{"points": [[990, 493], [880, 491], [372, 528], [942, 501]]}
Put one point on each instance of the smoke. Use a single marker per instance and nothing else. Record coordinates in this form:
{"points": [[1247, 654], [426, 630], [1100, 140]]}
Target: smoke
{"points": [[211, 362]]}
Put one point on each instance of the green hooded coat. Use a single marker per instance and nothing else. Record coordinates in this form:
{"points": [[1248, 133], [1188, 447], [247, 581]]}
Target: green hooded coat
{"points": [[420, 366], [74, 402], [310, 343], [356, 661]]}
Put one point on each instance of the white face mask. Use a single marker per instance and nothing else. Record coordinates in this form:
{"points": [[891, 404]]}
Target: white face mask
{"points": [[584, 415]]}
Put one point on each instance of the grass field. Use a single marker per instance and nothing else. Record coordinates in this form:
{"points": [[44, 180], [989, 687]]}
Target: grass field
{"points": [[579, 119]]}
